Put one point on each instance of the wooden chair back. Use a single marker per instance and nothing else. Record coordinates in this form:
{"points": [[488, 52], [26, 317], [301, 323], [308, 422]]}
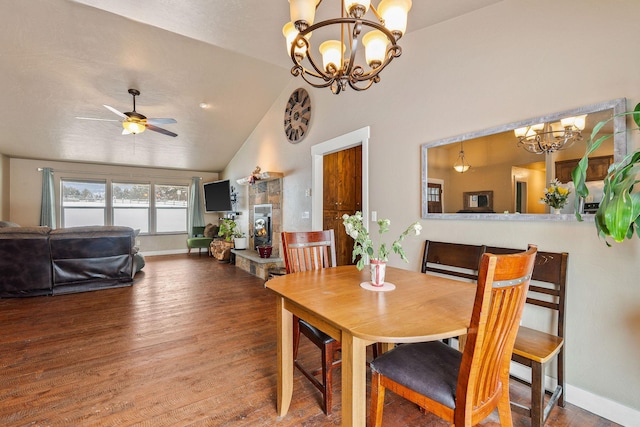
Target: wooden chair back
{"points": [[503, 281], [305, 251], [452, 259], [308, 250], [535, 348], [549, 277]]}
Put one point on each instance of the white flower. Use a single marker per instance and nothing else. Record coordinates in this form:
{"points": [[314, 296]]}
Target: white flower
{"points": [[363, 246], [417, 228]]}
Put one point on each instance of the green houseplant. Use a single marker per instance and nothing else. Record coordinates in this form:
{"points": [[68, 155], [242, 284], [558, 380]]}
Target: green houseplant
{"points": [[229, 229], [618, 215]]}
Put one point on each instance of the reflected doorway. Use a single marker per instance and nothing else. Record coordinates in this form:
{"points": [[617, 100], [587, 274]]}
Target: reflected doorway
{"points": [[521, 197], [434, 197]]}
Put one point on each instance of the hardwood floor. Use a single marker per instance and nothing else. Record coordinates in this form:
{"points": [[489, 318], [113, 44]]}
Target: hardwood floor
{"points": [[193, 342]]}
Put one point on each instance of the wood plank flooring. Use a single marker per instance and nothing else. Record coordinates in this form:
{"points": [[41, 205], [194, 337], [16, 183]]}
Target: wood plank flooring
{"points": [[192, 343]]}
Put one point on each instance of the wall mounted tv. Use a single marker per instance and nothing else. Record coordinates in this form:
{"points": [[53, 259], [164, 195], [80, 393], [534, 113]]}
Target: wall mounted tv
{"points": [[217, 196]]}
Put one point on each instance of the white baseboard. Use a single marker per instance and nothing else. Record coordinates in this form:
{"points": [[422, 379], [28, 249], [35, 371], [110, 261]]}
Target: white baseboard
{"points": [[586, 400]]}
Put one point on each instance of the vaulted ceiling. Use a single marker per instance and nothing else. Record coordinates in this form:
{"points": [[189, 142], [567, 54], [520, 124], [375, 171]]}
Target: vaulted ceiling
{"points": [[64, 59]]}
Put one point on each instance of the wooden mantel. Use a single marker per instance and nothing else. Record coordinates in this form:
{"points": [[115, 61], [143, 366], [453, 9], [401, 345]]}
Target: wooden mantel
{"points": [[262, 176]]}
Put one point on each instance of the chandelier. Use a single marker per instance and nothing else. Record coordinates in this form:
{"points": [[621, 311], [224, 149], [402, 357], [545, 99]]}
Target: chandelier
{"points": [[340, 66], [549, 137], [461, 165]]}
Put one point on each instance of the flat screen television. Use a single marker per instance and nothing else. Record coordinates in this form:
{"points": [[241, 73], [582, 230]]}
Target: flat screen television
{"points": [[217, 196]]}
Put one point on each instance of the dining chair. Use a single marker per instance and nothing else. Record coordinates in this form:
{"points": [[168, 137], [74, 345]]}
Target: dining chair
{"points": [[452, 259], [305, 251], [463, 388], [459, 260], [537, 349]]}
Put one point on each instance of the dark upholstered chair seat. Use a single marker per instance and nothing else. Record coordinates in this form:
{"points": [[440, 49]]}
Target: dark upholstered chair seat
{"points": [[320, 336], [429, 368]]}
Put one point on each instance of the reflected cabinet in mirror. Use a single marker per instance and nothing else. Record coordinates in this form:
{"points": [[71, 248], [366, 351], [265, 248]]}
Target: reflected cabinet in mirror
{"points": [[502, 172]]}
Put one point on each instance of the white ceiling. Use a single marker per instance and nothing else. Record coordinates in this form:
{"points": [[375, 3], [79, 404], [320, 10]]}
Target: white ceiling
{"points": [[64, 59]]}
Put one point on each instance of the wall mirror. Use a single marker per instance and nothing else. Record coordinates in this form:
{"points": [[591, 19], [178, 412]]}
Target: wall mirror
{"points": [[509, 180]]}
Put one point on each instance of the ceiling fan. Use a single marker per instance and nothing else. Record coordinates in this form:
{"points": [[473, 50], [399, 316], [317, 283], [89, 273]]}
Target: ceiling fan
{"points": [[135, 122]]}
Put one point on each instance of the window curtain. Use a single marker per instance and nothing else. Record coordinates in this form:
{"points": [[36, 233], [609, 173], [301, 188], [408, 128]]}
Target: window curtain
{"points": [[196, 213], [47, 206]]}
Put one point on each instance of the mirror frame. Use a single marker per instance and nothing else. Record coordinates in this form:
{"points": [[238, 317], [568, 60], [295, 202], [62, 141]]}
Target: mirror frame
{"points": [[618, 105]]}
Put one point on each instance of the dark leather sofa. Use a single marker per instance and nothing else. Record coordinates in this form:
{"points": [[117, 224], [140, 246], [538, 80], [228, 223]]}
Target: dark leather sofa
{"points": [[41, 261]]}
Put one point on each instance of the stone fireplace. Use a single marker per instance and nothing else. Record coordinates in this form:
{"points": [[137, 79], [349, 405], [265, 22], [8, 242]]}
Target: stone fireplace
{"points": [[266, 193], [265, 210]]}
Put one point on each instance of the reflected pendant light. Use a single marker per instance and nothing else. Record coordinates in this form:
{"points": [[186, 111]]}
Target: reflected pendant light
{"points": [[461, 165]]}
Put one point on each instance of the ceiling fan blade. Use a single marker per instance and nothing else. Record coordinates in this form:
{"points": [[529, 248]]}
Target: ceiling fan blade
{"points": [[124, 116], [157, 121], [94, 118], [164, 131]]}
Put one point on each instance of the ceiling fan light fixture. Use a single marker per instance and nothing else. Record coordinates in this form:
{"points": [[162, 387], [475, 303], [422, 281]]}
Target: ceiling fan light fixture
{"points": [[133, 127]]}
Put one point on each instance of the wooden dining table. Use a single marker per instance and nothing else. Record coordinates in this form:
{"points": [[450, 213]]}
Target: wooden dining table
{"points": [[422, 307]]}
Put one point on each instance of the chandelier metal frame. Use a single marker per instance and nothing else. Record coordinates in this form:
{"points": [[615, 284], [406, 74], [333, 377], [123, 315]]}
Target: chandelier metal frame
{"points": [[548, 140], [348, 73]]}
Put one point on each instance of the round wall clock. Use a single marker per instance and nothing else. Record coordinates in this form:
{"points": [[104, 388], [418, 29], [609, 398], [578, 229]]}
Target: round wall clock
{"points": [[297, 115]]}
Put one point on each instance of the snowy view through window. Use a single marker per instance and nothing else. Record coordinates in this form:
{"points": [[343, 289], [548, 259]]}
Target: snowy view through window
{"points": [[88, 203]]}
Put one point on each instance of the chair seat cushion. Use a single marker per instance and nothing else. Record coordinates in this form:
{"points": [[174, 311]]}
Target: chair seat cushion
{"points": [[430, 369], [320, 336], [199, 242]]}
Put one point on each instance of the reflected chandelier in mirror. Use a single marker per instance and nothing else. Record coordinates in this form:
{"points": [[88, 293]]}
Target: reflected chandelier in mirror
{"points": [[516, 175]]}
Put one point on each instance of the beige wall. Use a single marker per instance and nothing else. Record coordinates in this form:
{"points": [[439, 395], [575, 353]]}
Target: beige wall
{"points": [[26, 190], [4, 188], [512, 61]]}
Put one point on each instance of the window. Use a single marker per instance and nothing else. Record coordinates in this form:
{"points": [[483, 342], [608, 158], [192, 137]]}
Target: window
{"points": [[83, 203], [171, 208], [130, 205]]}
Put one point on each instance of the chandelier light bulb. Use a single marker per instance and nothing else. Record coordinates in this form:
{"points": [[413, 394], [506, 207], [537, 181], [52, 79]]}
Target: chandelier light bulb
{"points": [[303, 12], [332, 51], [357, 8], [290, 33], [580, 122], [394, 13], [520, 132], [375, 44]]}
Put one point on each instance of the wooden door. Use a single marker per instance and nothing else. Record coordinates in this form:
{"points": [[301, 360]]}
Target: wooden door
{"points": [[342, 194], [434, 198]]}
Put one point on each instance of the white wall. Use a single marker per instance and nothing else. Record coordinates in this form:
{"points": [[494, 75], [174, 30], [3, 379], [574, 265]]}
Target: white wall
{"points": [[511, 61], [26, 190]]}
